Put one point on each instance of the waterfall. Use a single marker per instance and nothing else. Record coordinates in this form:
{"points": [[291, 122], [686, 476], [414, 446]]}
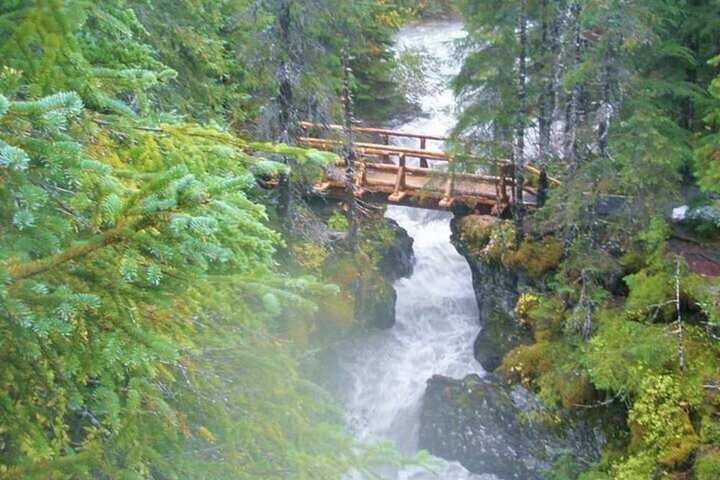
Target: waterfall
{"points": [[436, 314]]}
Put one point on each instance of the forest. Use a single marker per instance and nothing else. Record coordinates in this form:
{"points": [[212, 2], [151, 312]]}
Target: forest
{"points": [[176, 298]]}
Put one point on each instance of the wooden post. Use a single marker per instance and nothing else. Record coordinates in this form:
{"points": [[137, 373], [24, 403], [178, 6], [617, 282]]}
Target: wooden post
{"points": [[360, 178], [386, 141], [399, 193], [423, 145], [503, 185], [447, 200]]}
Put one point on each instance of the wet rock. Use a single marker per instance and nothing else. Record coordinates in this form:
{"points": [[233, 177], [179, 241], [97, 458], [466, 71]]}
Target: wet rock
{"points": [[707, 214], [496, 291], [398, 257], [493, 428], [377, 297], [500, 334], [376, 304]]}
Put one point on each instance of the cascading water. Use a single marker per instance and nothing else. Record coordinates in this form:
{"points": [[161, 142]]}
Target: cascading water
{"points": [[436, 312]]}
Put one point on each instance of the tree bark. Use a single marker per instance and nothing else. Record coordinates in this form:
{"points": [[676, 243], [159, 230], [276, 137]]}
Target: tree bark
{"points": [[348, 151], [519, 207], [286, 120], [572, 111], [550, 47]]}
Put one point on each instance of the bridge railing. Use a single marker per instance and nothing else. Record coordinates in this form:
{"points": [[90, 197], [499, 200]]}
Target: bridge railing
{"points": [[503, 180], [384, 135]]}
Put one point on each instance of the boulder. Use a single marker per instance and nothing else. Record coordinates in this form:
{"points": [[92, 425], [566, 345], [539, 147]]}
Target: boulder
{"points": [[492, 428], [375, 304], [398, 257], [500, 334], [708, 215], [376, 299]]}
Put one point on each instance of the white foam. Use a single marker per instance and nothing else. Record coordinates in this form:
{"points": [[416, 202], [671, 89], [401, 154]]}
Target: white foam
{"points": [[436, 311]]}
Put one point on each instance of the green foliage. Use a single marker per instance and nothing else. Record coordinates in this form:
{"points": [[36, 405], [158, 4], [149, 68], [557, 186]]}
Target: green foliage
{"points": [[707, 466], [338, 222], [496, 242], [707, 153], [660, 422], [146, 331]]}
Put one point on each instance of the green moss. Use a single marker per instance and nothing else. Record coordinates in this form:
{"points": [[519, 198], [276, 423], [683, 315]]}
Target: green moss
{"points": [[707, 467], [536, 258], [547, 314], [527, 362], [310, 256], [495, 241], [476, 232]]}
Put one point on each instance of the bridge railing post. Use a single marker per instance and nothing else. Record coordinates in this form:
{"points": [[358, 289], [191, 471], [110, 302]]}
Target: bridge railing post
{"points": [[398, 192], [423, 146], [447, 199], [386, 141]]}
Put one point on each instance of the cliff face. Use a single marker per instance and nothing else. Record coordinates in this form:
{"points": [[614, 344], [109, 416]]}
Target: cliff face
{"points": [[376, 299], [496, 290], [485, 424]]}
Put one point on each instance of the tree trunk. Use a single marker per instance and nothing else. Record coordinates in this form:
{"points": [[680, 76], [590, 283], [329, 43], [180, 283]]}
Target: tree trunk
{"points": [[348, 151], [572, 111], [550, 36], [605, 107], [519, 207], [286, 120]]}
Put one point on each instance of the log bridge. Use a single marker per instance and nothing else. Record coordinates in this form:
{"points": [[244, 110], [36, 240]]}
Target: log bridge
{"points": [[384, 173]]}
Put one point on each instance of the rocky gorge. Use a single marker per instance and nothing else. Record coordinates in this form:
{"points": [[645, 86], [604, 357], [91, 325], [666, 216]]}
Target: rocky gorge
{"points": [[482, 421]]}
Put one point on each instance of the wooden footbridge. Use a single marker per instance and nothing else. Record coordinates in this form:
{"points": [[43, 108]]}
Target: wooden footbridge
{"points": [[414, 176]]}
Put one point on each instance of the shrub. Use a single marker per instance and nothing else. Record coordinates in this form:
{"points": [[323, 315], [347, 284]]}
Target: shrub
{"points": [[338, 222]]}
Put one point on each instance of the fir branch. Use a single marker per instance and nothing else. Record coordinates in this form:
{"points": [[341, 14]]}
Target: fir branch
{"points": [[21, 271]]}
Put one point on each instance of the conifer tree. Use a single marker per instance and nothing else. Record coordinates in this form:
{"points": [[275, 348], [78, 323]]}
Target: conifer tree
{"points": [[138, 295]]}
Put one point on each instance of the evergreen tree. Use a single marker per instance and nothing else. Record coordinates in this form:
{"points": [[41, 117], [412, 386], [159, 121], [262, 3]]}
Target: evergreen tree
{"points": [[139, 299], [613, 100]]}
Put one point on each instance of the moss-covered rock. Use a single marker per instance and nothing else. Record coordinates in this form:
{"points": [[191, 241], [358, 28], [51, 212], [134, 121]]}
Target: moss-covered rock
{"points": [[500, 334], [496, 289], [396, 255], [490, 427]]}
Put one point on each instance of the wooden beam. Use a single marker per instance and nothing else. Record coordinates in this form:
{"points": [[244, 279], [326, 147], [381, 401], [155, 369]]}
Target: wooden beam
{"points": [[374, 148], [322, 186], [360, 179], [379, 131]]}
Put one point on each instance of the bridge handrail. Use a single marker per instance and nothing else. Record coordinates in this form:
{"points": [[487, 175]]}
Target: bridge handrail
{"points": [[387, 150], [377, 149], [379, 131]]}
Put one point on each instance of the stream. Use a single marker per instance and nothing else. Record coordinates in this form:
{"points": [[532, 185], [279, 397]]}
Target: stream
{"points": [[385, 372]]}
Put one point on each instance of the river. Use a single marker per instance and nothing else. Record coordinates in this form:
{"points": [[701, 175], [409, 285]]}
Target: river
{"points": [[436, 314]]}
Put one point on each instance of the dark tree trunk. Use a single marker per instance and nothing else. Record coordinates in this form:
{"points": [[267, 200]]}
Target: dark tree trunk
{"points": [[550, 47], [286, 120], [519, 208], [348, 151], [572, 111]]}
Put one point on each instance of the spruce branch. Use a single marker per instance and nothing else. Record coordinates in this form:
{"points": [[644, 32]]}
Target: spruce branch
{"points": [[21, 271]]}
